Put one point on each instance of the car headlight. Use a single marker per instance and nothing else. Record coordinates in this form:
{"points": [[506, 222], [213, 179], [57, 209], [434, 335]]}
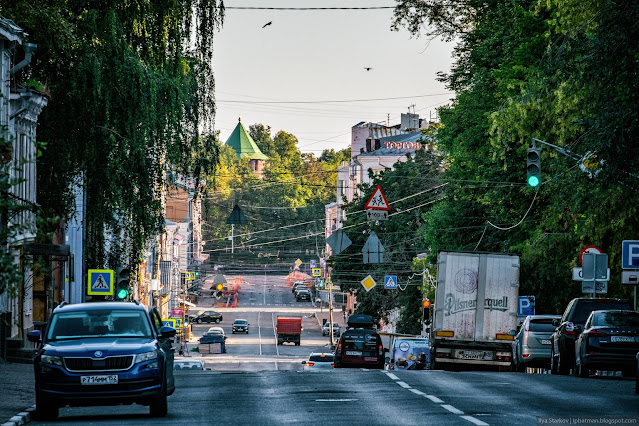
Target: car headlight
{"points": [[51, 359], [146, 356]]}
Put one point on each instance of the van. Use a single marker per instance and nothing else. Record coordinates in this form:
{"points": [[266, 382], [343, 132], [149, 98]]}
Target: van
{"points": [[360, 345]]}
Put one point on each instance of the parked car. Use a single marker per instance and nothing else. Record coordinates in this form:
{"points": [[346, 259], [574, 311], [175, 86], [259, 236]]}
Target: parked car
{"points": [[303, 295], [103, 353], [207, 316], [562, 357], [219, 330], [531, 347], [188, 364], [319, 361], [609, 341], [240, 326], [326, 330]]}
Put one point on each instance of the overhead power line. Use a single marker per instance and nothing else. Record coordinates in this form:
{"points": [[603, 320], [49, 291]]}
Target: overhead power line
{"points": [[307, 8], [334, 101]]}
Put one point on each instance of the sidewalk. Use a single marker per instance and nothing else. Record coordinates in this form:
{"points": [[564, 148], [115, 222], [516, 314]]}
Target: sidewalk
{"points": [[18, 389]]}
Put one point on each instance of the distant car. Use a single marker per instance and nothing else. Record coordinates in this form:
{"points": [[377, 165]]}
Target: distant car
{"points": [[562, 357], [303, 295], [319, 361], [240, 326], [207, 316], [531, 347], [297, 284], [326, 330], [219, 330], [299, 288], [188, 364], [609, 341]]}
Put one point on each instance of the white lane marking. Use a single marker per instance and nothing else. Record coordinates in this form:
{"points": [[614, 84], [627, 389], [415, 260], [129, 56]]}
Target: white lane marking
{"points": [[259, 331], [265, 294], [417, 391], [336, 400], [277, 350], [404, 385], [474, 420], [434, 399], [452, 409], [392, 376]]}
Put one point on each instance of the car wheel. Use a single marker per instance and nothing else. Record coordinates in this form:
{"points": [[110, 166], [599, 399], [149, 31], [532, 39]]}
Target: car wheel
{"points": [[159, 406], [199, 320], [44, 410], [247, 331], [233, 332], [583, 371], [217, 320]]}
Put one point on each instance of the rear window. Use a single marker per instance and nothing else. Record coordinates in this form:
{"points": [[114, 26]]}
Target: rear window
{"points": [[321, 358], [585, 307], [541, 324], [360, 340], [617, 319]]}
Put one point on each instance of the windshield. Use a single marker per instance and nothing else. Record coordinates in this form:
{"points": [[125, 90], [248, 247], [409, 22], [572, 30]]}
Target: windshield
{"points": [[240, 322], [541, 324], [99, 323]]}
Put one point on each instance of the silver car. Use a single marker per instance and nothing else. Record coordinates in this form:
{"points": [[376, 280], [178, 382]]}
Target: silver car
{"points": [[532, 345]]}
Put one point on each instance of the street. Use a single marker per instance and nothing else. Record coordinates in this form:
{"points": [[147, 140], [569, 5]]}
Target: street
{"points": [[257, 381]]}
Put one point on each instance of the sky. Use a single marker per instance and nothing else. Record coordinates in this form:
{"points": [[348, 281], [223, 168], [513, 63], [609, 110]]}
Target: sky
{"points": [[289, 74]]}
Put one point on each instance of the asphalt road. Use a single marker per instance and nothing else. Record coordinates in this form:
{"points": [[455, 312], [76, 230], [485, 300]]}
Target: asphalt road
{"points": [[259, 382]]}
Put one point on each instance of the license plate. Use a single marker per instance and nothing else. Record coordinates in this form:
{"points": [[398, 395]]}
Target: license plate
{"points": [[545, 342], [370, 358], [483, 355], [111, 379], [353, 353], [622, 339]]}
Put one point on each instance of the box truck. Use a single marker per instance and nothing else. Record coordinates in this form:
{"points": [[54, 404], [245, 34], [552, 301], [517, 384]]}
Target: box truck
{"points": [[475, 313]]}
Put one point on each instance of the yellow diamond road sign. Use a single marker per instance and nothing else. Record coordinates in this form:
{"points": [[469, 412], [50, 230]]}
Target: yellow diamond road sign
{"points": [[368, 283], [298, 262]]}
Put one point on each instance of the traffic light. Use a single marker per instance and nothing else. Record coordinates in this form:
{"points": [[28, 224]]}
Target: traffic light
{"points": [[122, 281], [426, 311], [533, 166]]}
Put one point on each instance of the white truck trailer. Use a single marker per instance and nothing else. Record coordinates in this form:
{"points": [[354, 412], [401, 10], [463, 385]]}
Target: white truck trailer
{"points": [[475, 314]]}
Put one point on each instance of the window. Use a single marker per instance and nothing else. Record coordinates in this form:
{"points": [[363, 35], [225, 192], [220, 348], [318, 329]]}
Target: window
{"points": [[541, 324]]}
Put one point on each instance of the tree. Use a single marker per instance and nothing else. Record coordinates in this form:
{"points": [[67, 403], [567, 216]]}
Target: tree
{"points": [[131, 88]]}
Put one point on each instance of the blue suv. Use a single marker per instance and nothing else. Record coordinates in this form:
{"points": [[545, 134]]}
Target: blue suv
{"points": [[103, 353]]}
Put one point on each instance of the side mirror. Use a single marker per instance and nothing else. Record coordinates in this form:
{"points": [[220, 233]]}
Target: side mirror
{"points": [[303, 362], [386, 350], [555, 322], [570, 327], [167, 332], [34, 336]]}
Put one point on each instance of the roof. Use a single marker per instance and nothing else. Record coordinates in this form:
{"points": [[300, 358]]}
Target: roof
{"points": [[397, 145], [95, 306], [243, 144]]}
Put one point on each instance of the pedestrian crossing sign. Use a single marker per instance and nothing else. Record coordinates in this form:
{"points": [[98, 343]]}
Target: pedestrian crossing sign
{"points": [[100, 282]]}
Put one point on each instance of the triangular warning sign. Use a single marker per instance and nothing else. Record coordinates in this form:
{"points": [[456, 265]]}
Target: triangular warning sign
{"points": [[377, 200]]}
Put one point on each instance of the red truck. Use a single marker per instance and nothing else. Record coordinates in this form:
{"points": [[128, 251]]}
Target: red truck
{"points": [[289, 329]]}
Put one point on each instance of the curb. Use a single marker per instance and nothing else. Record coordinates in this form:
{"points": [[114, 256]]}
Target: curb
{"points": [[20, 418]]}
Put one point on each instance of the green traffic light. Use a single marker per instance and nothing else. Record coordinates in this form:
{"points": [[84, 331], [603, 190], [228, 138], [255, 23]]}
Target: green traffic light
{"points": [[122, 294], [533, 181]]}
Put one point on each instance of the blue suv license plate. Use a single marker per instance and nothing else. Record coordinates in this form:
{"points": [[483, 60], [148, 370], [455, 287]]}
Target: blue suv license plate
{"points": [[111, 379]]}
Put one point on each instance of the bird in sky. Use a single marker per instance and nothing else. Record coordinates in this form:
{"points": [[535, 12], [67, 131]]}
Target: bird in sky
{"points": [[267, 24], [368, 68]]}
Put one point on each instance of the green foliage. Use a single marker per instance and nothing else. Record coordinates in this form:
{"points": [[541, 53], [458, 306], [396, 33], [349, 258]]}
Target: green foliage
{"points": [[131, 98], [560, 71], [284, 207]]}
